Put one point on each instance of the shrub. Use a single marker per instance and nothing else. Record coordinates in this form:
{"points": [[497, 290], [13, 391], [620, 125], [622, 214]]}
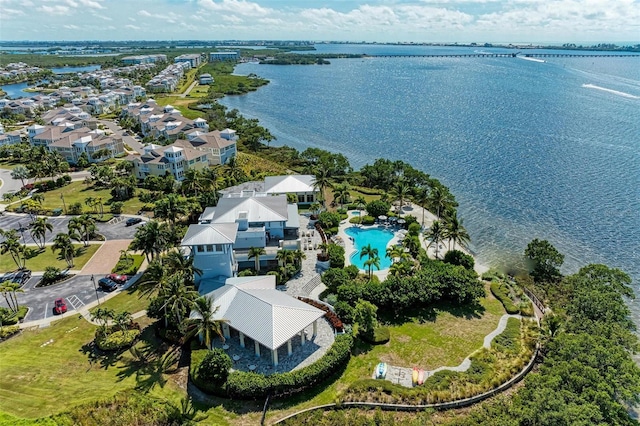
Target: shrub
{"points": [[214, 367], [116, 207], [377, 207], [116, 340], [334, 278], [344, 311], [246, 273], [353, 271], [368, 220], [501, 292], [336, 256], [8, 317], [51, 275], [245, 385], [75, 208], [8, 331], [414, 229], [457, 257], [128, 264], [329, 220], [341, 211], [355, 219]]}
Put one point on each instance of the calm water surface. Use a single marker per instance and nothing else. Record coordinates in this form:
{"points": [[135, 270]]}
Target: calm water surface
{"points": [[531, 150]]}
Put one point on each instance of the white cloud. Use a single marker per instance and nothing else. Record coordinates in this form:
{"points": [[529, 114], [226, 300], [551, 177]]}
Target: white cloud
{"points": [[132, 27], [240, 7], [71, 3], [71, 27], [103, 17], [92, 4], [55, 10], [12, 12]]}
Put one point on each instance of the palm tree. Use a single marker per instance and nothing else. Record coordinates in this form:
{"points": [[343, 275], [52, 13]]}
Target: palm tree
{"points": [[192, 183], [9, 290], [435, 235], [82, 228], [151, 280], [152, 239], [439, 200], [401, 191], [341, 193], [20, 172], [62, 242], [100, 204], [175, 262], [369, 251], [370, 263], [321, 181], [256, 252], [400, 268], [177, 298], [298, 256], [39, 230], [455, 232], [170, 207], [11, 245], [91, 202], [422, 198], [283, 256], [202, 321], [394, 253]]}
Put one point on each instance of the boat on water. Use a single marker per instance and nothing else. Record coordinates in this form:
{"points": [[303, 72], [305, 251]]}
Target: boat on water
{"points": [[420, 376], [381, 370], [414, 376]]}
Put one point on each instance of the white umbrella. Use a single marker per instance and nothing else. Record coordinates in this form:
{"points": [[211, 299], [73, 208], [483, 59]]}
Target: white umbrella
{"points": [[382, 217]]}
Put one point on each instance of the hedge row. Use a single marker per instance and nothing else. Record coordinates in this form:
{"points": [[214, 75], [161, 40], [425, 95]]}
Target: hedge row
{"points": [[335, 321], [117, 340], [248, 385], [8, 331], [501, 292]]}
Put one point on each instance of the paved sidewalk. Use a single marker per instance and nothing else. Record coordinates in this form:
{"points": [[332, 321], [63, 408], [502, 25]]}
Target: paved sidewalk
{"points": [[105, 258]]}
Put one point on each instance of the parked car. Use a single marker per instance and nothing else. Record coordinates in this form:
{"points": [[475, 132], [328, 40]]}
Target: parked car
{"points": [[22, 276], [107, 285], [116, 278], [59, 306], [132, 221]]}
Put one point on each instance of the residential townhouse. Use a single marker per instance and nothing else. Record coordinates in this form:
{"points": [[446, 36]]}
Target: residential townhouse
{"points": [[220, 145], [175, 159], [193, 59]]}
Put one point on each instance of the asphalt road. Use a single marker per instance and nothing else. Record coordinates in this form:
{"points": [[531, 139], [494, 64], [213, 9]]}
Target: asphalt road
{"points": [[118, 231], [76, 291]]}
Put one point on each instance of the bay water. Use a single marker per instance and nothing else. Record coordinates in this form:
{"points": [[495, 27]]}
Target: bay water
{"points": [[531, 149]]}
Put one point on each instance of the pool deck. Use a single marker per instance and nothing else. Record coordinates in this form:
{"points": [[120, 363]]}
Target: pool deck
{"points": [[413, 210]]}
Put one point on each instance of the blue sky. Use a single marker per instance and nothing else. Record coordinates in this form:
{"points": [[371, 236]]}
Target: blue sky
{"points": [[374, 20]]}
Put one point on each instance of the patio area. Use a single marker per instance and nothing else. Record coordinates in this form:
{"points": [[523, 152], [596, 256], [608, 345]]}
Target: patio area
{"points": [[245, 359]]}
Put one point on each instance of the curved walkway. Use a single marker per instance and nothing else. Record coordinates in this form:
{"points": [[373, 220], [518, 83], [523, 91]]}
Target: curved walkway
{"points": [[403, 375]]}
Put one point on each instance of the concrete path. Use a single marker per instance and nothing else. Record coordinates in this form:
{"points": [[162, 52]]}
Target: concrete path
{"points": [[105, 258], [403, 375], [189, 89]]}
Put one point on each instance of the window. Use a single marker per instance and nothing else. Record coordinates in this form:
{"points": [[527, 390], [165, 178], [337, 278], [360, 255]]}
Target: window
{"points": [[301, 198], [309, 198], [209, 247], [199, 249], [219, 247]]}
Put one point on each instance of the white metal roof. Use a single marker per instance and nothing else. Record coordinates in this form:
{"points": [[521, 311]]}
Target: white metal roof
{"points": [[289, 183], [254, 307], [210, 233], [259, 209]]}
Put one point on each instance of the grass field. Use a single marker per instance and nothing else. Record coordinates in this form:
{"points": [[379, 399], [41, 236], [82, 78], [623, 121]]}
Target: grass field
{"points": [[445, 340], [129, 300], [78, 192], [49, 258], [181, 104], [38, 380]]}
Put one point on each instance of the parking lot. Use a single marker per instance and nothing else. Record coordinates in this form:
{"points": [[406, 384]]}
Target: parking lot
{"points": [[20, 222], [77, 292]]}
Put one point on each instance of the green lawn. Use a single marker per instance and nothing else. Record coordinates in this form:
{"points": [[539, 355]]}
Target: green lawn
{"points": [[78, 192], [445, 341], [129, 300], [180, 104], [49, 258], [37, 380]]}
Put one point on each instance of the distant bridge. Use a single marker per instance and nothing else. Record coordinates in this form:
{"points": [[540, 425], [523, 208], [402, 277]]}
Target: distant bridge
{"points": [[509, 55]]}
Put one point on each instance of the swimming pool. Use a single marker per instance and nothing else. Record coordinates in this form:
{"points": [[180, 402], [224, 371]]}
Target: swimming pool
{"points": [[377, 237]]}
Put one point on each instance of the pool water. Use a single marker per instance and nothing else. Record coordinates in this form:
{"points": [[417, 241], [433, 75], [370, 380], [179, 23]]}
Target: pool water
{"points": [[377, 237]]}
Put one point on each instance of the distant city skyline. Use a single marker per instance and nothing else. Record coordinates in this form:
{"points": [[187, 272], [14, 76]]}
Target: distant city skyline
{"points": [[463, 21]]}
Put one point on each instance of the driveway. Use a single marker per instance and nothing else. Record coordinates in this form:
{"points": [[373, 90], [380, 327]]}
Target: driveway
{"points": [[105, 258]]}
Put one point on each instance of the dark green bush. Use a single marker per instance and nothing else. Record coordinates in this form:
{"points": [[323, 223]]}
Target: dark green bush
{"points": [[355, 219], [368, 220], [352, 270], [8, 331], [214, 367], [116, 207], [334, 278], [336, 256], [117, 340], [377, 207], [344, 312], [457, 257], [244, 385], [329, 219], [75, 208], [51, 275], [501, 292], [128, 264]]}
